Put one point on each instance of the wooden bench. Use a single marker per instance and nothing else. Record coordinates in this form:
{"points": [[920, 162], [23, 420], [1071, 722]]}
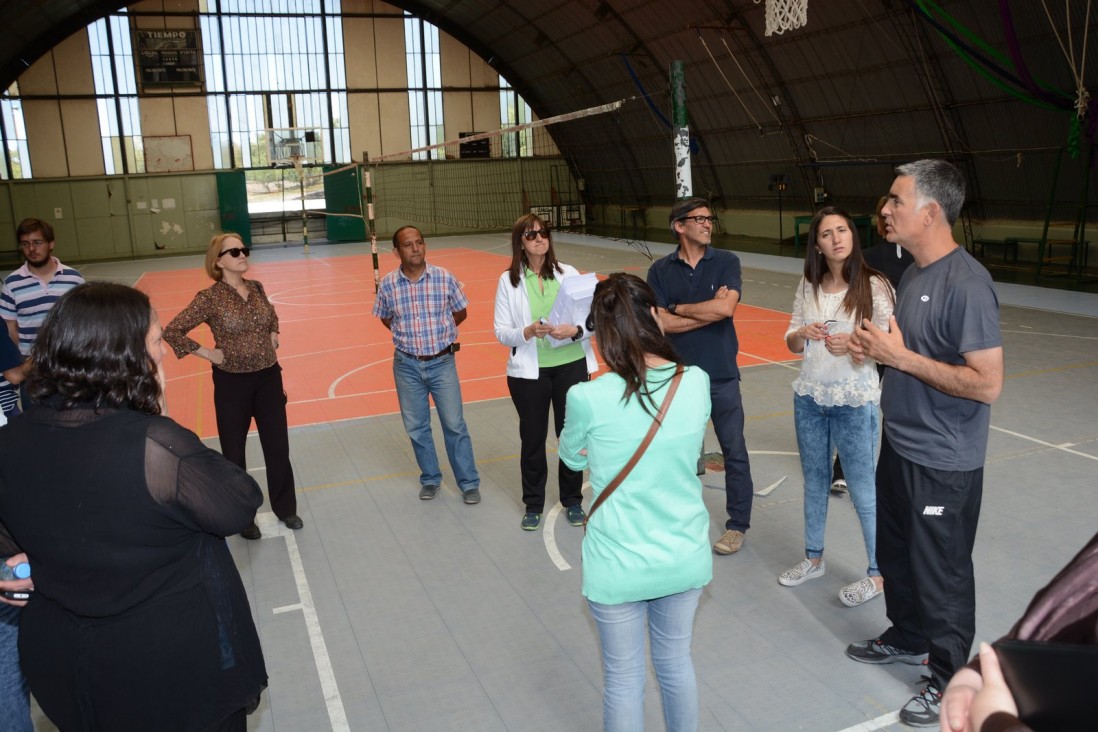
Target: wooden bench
{"points": [[1010, 247]]}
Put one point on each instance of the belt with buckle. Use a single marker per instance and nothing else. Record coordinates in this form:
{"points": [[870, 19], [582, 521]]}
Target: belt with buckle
{"points": [[443, 352]]}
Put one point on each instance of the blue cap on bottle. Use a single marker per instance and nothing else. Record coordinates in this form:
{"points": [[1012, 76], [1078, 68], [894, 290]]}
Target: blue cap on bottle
{"points": [[21, 570]]}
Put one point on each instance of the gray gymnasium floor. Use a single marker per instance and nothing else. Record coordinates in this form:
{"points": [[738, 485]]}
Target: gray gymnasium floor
{"points": [[390, 613]]}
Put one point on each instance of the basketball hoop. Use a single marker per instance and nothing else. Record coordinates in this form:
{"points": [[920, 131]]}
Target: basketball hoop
{"points": [[783, 15], [296, 146]]}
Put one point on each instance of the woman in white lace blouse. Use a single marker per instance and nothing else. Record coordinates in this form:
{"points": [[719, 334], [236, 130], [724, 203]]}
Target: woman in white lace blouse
{"points": [[835, 400]]}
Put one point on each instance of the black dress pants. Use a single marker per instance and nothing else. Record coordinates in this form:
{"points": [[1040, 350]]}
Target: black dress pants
{"points": [[926, 528], [239, 397], [532, 399]]}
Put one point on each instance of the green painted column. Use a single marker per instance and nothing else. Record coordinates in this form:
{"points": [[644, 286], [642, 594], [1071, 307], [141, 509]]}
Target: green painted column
{"points": [[684, 185]]}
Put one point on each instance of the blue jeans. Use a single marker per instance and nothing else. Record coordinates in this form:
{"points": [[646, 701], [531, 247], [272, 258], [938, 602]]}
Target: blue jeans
{"points": [[415, 380], [621, 632], [14, 699], [854, 431], [727, 416]]}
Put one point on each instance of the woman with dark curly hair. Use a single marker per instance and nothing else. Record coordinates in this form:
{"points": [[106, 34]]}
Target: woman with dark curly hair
{"points": [[138, 618], [247, 378]]}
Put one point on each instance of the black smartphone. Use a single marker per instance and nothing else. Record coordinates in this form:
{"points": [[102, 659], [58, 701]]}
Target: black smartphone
{"points": [[16, 594]]}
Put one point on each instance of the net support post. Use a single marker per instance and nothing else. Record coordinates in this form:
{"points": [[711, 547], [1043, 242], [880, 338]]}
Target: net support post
{"points": [[368, 214], [684, 186]]}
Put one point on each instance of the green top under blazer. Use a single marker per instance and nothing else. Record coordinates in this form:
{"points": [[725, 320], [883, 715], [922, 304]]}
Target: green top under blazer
{"points": [[650, 538]]}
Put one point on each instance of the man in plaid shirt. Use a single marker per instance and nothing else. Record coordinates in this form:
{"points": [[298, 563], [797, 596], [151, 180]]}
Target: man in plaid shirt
{"points": [[423, 305]]}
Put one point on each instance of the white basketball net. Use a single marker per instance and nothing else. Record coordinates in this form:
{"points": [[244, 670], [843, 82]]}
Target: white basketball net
{"points": [[783, 15]]}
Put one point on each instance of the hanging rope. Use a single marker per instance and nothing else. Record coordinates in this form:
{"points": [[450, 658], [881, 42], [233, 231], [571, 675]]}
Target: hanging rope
{"points": [[1082, 96], [727, 82], [748, 80]]}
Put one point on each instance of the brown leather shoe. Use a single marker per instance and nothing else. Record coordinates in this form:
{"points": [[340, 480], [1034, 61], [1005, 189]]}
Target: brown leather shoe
{"points": [[730, 542]]}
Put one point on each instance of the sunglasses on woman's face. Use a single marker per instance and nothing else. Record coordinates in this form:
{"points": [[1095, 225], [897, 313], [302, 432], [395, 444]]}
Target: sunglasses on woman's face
{"points": [[535, 233], [236, 252]]}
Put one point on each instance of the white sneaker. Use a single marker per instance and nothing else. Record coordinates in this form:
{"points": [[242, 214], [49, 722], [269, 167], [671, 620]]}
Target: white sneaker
{"points": [[858, 592], [802, 573], [838, 487]]}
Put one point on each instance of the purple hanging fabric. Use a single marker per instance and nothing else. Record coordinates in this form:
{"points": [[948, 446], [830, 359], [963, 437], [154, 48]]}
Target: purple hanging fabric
{"points": [[1020, 67]]}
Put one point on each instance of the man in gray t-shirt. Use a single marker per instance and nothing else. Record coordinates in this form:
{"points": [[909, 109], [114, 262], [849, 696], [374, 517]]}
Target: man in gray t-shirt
{"points": [[945, 358]]}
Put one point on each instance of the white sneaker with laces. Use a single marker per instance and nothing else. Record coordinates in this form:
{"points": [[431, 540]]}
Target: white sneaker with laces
{"points": [[802, 573]]}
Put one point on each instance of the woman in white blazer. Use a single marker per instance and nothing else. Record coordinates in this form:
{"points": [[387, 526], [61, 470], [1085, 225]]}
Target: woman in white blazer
{"points": [[539, 375]]}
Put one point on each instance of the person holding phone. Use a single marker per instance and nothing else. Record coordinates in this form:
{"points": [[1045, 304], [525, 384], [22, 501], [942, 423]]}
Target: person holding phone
{"points": [[247, 378], [14, 694], [539, 375], [835, 400], [1064, 614]]}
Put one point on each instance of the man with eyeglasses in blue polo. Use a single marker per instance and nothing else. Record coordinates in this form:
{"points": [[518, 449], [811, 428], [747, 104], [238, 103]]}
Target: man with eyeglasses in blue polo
{"points": [[29, 292], [697, 288]]}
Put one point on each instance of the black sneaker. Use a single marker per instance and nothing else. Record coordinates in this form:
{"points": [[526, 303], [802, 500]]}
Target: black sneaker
{"points": [[576, 516], [428, 492], [924, 708], [873, 651]]}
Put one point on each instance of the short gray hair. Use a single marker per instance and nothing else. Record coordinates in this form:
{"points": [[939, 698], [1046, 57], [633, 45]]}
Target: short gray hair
{"points": [[938, 181]]}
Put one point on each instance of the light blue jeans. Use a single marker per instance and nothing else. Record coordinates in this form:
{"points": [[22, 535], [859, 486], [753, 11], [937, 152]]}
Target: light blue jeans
{"points": [[670, 622], [438, 378], [14, 699], [854, 431]]}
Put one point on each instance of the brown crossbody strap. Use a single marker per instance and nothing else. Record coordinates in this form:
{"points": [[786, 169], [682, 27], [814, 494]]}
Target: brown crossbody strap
{"points": [[624, 472]]}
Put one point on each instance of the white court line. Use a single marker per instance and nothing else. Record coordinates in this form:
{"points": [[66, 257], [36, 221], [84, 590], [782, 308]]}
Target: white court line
{"points": [[549, 532], [885, 720], [795, 366], [549, 536], [337, 715], [1046, 444], [770, 488], [335, 384]]}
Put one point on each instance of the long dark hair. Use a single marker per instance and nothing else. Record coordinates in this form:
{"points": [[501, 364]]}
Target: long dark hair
{"points": [[518, 255], [858, 275], [621, 313], [91, 349]]}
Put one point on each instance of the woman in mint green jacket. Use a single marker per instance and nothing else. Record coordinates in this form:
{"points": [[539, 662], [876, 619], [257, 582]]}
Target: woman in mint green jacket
{"points": [[646, 553]]}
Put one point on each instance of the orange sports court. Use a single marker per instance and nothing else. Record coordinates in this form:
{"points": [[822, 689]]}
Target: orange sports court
{"points": [[336, 355]]}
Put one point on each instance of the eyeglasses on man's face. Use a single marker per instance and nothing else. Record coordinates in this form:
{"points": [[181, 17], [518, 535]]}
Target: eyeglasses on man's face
{"points": [[535, 233], [32, 243], [700, 219], [235, 252]]}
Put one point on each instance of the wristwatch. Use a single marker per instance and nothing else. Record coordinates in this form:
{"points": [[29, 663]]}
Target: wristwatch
{"points": [[579, 333], [671, 307]]}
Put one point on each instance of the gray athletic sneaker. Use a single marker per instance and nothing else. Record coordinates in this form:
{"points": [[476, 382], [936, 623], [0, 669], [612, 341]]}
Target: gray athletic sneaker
{"points": [[873, 651], [924, 709]]}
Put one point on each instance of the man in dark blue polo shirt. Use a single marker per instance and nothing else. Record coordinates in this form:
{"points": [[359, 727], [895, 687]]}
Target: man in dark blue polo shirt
{"points": [[697, 288]]}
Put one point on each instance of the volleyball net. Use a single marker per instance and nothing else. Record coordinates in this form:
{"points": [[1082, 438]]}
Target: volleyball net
{"points": [[483, 180]]}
